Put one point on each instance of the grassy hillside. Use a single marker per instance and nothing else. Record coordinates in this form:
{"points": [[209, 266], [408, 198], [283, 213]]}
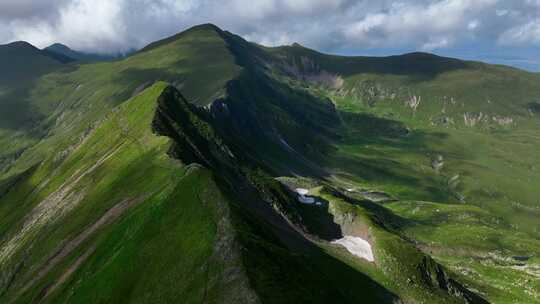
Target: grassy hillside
{"points": [[432, 131], [78, 204], [68, 102], [117, 191], [63, 174], [170, 175]]}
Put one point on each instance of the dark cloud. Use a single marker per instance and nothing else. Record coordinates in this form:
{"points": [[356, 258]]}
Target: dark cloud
{"points": [[343, 26], [27, 9]]}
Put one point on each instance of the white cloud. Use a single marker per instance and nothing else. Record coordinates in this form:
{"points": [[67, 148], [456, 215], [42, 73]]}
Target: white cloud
{"points": [[472, 25], [14, 9], [84, 24], [435, 43], [528, 33], [93, 20], [311, 6], [119, 25], [429, 25]]}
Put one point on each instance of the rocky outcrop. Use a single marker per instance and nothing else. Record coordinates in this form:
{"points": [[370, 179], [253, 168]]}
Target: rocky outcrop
{"points": [[473, 119], [437, 163], [503, 120], [305, 69], [194, 138], [436, 276], [413, 102], [534, 107]]}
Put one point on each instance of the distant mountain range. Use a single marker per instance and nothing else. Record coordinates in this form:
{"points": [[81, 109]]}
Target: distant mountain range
{"points": [[71, 55]]}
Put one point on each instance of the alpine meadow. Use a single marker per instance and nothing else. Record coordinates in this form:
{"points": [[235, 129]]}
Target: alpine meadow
{"points": [[205, 168]]}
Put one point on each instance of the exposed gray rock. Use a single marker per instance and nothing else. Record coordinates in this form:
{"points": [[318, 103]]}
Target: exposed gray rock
{"points": [[437, 163]]}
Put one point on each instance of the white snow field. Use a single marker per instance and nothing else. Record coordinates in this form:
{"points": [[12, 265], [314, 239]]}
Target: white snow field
{"points": [[306, 200], [357, 246], [302, 198], [302, 191]]}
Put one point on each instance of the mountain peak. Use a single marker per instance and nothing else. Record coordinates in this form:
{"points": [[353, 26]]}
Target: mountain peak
{"points": [[205, 28], [19, 45], [58, 46], [68, 54]]}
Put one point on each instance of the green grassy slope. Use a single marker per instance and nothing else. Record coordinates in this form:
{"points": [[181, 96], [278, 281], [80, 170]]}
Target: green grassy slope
{"points": [[118, 215], [86, 161], [232, 125], [158, 248], [69, 102], [470, 144], [92, 199], [100, 185]]}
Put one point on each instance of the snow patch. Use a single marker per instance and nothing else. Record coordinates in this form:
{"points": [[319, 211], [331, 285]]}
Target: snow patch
{"points": [[306, 200], [302, 191], [357, 246], [302, 198]]}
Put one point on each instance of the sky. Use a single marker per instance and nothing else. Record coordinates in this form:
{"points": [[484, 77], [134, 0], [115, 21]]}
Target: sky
{"points": [[497, 31]]}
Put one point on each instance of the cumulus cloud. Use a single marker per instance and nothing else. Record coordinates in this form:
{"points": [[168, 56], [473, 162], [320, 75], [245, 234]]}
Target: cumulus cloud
{"points": [[528, 33], [10, 9], [337, 25], [422, 25]]}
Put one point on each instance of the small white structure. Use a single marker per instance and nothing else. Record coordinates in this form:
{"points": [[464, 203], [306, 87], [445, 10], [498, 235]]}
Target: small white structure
{"points": [[357, 246]]}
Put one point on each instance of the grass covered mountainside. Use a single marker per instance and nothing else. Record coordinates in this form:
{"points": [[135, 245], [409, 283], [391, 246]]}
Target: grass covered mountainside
{"points": [[168, 176]]}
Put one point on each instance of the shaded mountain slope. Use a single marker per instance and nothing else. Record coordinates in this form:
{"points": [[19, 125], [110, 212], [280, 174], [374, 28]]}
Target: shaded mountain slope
{"points": [[197, 140], [22, 64], [21, 61], [62, 50]]}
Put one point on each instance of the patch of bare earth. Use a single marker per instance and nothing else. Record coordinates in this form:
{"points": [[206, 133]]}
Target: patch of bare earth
{"points": [[109, 217], [53, 207]]}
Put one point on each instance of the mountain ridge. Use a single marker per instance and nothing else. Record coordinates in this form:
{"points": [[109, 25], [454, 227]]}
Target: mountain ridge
{"points": [[213, 135], [63, 50]]}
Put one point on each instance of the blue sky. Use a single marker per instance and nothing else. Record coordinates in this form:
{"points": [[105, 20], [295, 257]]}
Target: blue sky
{"points": [[498, 31]]}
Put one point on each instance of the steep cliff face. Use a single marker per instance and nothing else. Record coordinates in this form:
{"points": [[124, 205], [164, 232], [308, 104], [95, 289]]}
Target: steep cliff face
{"points": [[195, 139], [436, 276]]}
